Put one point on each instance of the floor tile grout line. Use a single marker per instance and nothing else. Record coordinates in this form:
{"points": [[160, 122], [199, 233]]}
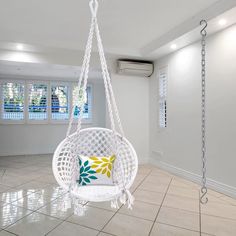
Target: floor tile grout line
{"points": [[154, 219], [32, 211], [224, 218], [160, 206], [62, 221], [170, 194], [23, 183], [107, 233], [6, 228], [142, 181], [179, 227], [12, 203], [137, 217], [175, 208], [9, 232], [85, 226], [100, 208], [123, 204]]}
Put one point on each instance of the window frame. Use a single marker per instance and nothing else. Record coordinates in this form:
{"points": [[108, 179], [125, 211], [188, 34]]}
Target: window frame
{"points": [[59, 83], [49, 84], [29, 121], [8, 121]]}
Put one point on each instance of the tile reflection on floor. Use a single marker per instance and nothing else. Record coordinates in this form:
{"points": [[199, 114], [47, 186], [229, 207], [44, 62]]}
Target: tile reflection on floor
{"points": [[165, 204]]}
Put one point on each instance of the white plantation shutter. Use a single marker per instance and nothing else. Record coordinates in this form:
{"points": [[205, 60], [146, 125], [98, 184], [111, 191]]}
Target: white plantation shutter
{"points": [[59, 102], [41, 101], [162, 114], [163, 98], [13, 101], [162, 85], [38, 99]]}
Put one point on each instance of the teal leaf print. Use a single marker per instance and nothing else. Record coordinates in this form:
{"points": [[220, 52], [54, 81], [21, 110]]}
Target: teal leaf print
{"points": [[87, 168], [86, 174], [81, 169], [86, 163], [92, 177], [86, 180]]}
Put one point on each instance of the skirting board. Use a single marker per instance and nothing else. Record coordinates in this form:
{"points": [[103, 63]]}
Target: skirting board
{"points": [[212, 184]]}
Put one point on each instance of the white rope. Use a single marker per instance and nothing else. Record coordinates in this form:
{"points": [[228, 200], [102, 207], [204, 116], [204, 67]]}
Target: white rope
{"points": [[113, 112], [82, 76], [111, 103], [86, 75], [108, 79]]}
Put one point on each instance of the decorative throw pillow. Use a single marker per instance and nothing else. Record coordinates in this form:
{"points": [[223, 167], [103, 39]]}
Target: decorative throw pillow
{"points": [[95, 170]]}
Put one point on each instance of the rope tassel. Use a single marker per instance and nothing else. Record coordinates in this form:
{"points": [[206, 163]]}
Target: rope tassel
{"points": [[114, 204], [128, 198]]}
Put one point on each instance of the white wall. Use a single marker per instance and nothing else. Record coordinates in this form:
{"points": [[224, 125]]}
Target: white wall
{"points": [[21, 139], [179, 145], [132, 96]]}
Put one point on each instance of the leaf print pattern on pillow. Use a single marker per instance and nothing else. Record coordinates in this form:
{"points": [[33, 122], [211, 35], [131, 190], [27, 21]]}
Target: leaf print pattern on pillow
{"points": [[103, 165], [86, 173]]}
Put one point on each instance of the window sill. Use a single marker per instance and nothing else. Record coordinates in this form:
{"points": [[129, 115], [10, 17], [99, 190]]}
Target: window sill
{"points": [[41, 122]]}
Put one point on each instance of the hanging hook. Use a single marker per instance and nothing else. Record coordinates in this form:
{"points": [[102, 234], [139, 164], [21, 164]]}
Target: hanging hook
{"points": [[203, 31], [93, 4], [203, 198]]}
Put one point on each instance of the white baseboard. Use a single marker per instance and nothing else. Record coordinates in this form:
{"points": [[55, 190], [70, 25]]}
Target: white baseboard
{"points": [[27, 154], [212, 184]]}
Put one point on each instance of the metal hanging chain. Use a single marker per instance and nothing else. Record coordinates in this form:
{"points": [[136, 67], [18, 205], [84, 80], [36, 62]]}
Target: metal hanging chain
{"points": [[203, 198]]}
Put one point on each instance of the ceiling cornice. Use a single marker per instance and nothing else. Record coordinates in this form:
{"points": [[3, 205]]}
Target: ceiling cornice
{"points": [[211, 12]]}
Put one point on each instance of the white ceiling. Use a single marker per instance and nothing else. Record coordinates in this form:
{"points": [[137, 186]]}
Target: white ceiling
{"points": [[21, 70], [129, 27]]}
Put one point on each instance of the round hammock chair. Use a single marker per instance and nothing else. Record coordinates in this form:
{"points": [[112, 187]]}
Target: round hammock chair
{"points": [[96, 141]]}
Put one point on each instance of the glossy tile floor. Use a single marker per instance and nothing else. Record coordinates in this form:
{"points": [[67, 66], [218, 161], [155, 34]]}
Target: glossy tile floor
{"points": [[165, 205]]}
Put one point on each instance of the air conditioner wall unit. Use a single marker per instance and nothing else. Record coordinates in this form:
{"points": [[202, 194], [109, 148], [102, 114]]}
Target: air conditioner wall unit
{"points": [[135, 68]]}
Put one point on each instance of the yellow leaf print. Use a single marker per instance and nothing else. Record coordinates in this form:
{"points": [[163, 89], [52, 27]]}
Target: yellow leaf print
{"points": [[109, 166], [94, 166], [112, 158], [97, 162], [103, 165]]}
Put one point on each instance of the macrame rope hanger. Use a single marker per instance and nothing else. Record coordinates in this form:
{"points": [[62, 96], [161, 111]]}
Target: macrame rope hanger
{"points": [[203, 32]]}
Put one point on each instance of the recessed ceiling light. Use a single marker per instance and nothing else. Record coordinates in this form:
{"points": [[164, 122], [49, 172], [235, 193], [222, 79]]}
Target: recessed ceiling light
{"points": [[173, 46], [19, 47], [222, 22]]}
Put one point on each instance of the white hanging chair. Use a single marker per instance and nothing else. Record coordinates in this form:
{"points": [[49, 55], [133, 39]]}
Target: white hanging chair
{"points": [[96, 141]]}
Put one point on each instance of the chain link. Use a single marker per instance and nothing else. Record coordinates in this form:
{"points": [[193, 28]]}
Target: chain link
{"points": [[203, 198]]}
